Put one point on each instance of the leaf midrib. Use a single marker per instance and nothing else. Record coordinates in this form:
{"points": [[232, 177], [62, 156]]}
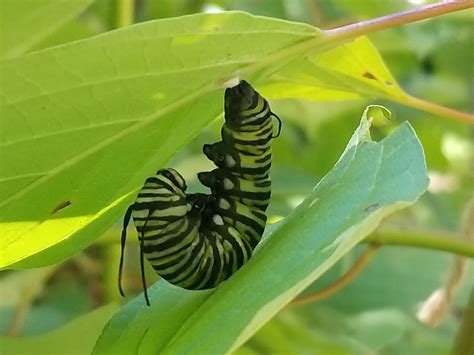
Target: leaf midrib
{"points": [[144, 122], [124, 78]]}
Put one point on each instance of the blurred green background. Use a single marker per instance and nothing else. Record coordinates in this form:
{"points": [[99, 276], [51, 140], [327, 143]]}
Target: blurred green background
{"points": [[376, 313]]}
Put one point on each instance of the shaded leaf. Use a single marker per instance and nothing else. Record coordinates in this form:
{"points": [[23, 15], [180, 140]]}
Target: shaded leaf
{"points": [[389, 174]]}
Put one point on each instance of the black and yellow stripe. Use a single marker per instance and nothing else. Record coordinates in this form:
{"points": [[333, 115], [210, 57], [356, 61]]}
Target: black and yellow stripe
{"points": [[196, 241]]}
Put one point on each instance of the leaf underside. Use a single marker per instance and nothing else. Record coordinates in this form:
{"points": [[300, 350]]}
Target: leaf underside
{"points": [[370, 181]]}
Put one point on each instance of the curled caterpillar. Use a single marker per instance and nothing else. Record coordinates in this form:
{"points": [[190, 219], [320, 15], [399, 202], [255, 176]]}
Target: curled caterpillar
{"points": [[198, 240]]}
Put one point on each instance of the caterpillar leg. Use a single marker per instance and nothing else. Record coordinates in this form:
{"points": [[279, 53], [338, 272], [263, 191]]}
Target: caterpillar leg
{"points": [[221, 155], [214, 152], [208, 179]]}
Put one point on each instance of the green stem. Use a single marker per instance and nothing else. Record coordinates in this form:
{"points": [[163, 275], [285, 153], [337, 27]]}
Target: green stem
{"points": [[447, 242], [434, 240], [464, 343], [124, 13], [434, 108]]}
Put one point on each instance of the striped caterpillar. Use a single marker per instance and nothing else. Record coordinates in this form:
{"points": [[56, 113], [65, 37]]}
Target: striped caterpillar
{"points": [[198, 240]]}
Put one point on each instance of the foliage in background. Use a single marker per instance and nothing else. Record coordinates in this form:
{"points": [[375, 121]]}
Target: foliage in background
{"points": [[420, 56]]}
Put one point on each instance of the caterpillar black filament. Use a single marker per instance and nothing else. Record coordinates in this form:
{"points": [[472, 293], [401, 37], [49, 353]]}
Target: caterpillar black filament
{"points": [[198, 240]]}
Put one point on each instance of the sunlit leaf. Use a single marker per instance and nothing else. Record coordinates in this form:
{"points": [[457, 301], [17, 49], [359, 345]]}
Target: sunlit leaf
{"points": [[104, 113], [351, 70]]}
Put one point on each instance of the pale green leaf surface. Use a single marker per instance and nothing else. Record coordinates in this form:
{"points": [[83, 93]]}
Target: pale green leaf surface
{"points": [[351, 70], [80, 135], [76, 337], [370, 181], [23, 23]]}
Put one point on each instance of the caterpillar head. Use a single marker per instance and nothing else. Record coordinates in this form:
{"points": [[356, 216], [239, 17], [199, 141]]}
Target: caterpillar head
{"points": [[239, 98]]}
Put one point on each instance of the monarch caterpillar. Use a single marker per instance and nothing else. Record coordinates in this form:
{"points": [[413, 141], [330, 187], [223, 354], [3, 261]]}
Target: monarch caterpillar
{"points": [[198, 240]]}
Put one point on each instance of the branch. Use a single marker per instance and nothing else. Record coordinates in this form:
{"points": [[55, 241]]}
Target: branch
{"points": [[433, 240], [401, 18], [434, 108]]}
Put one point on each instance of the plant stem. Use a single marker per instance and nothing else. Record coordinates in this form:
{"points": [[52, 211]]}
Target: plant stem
{"points": [[464, 343], [423, 239], [435, 108], [431, 240], [401, 18], [124, 13], [355, 270], [329, 38]]}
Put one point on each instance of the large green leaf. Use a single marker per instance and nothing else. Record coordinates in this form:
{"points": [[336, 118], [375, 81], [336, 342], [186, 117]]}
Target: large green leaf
{"points": [[25, 23], [370, 180], [95, 117], [84, 123], [76, 337]]}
